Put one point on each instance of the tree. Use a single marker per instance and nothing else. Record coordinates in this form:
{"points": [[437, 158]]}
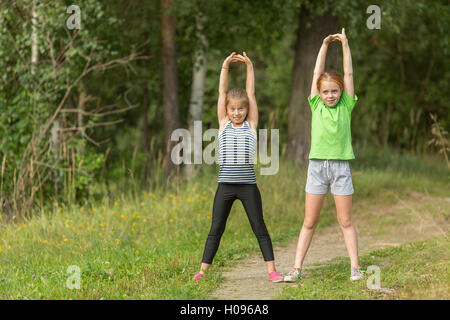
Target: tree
{"points": [[198, 81], [39, 123], [311, 32], [169, 80]]}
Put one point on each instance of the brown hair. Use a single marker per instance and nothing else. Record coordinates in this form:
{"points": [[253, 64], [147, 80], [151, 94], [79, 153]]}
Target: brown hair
{"points": [[237, 94], [331, 76]]}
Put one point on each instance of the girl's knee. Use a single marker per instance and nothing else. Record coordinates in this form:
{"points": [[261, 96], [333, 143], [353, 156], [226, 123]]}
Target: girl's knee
{"points": [[310, 224], [345, 222]]}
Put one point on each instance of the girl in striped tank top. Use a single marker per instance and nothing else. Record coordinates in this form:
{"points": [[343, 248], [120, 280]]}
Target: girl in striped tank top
{"points": [[237, 113]]}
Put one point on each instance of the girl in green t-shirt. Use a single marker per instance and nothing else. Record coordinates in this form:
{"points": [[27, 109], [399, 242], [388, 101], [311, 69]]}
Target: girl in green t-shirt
{"points": [[331, 101]]}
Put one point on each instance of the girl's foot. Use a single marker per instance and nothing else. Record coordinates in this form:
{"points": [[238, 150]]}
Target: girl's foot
{"points": [[275, 276], [292, 276], [356, 274], [198, 276]]}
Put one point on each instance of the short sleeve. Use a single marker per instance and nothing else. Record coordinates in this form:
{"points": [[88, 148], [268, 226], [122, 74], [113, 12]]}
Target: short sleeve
{"points": [[314, 102], [348, 101]]}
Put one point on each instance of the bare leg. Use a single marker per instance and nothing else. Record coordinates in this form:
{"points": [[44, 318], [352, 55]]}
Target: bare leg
{"points": [[204, 268], [344, 208], [270, 266], [313, 205]]}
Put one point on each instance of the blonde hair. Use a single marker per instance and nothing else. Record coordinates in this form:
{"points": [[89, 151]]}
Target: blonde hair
{"points": [[237, 94]]}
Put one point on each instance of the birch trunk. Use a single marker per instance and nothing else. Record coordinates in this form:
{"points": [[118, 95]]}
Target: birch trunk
{"points": [[197, 92]]}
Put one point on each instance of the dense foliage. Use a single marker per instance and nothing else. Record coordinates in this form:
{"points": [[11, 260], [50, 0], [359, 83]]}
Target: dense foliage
{"points": [[71, 123]]}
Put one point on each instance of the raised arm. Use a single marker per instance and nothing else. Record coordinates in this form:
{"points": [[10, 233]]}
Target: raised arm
{"points": [[320, 64], [348, 66], [223, 88], [252, 116]]}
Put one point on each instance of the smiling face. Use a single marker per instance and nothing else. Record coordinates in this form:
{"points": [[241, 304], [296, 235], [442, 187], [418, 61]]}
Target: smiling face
{"points": [[237, 111], [330, 92]]}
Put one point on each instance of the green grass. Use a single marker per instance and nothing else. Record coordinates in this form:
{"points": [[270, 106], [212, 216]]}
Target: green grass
{"points": [[148, 245], [416, 270]]}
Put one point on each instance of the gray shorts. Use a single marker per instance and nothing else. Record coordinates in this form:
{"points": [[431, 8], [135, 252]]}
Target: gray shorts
{"points": [[323, 173]]}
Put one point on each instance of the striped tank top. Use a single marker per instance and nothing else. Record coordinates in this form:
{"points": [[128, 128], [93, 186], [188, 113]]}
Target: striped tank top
{"points": [[237, 149]]}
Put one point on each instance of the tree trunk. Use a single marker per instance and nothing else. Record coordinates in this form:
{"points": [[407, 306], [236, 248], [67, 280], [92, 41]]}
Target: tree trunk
{"points": [[170, 82], [34, 38], [198, 88], [55, 145], [83, 98], [144, 131], [309, 40]]}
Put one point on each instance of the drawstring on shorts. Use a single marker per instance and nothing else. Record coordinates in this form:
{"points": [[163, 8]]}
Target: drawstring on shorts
{"points": [[326, 165]]}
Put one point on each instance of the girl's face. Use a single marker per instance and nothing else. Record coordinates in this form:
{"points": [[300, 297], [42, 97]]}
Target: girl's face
{"points": [[330, 93], [236, 112]]}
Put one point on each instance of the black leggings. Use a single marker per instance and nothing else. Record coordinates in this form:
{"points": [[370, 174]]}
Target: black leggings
{"points": [[223, 200]]}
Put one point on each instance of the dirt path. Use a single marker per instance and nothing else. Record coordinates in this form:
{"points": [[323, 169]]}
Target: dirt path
{"points": [[408, 220]]}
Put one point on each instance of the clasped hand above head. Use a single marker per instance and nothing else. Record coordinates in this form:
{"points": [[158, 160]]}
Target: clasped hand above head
{"points": [[336, 37], [234, 57]]}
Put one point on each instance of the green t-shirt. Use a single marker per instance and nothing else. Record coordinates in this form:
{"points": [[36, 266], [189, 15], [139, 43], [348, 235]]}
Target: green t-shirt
{"points": [[331, 128]]}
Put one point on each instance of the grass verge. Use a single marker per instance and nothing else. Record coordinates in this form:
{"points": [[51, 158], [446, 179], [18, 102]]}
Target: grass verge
{"points": [[415, 270], [148, 245]]}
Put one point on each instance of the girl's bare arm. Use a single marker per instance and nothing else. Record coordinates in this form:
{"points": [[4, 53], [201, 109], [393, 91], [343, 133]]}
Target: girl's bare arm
{"points": [[348, 66], [320, 65], [252, 116], [223, 88]]}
